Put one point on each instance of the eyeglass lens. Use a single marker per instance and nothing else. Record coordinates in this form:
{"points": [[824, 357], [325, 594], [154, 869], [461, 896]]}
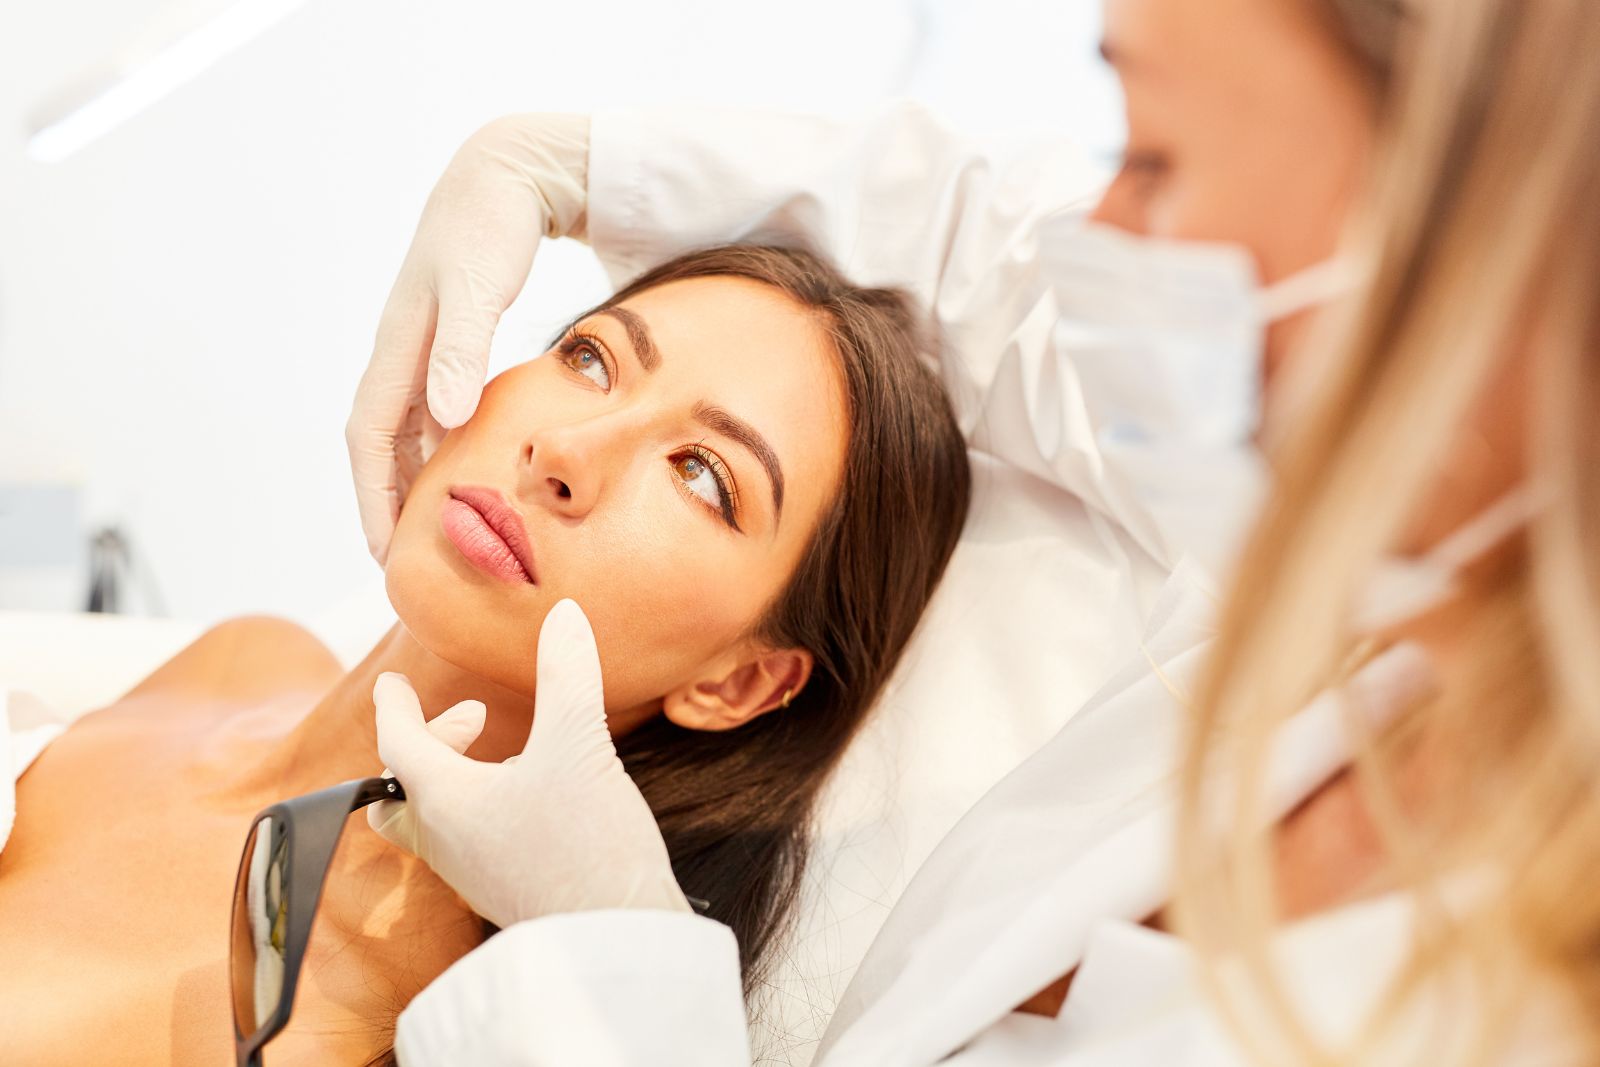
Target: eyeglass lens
{"points": [[260, 924]]}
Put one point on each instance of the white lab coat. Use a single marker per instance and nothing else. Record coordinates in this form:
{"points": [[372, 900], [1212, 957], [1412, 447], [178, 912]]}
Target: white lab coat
{"points": [[1075, 838]]}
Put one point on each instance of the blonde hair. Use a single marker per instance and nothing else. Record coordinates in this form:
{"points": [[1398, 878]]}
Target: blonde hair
{"points": [[1482, 232]]}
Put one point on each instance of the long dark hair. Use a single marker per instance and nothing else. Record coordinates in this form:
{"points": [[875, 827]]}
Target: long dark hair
{"points": [[734, 806]]}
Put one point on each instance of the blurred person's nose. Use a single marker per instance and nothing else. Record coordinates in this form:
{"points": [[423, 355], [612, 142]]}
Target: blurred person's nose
{"points": [[1122, 206]]}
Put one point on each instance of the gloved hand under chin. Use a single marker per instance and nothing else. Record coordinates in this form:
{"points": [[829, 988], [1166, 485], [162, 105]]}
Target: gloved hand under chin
{"points": [[517, 179], [561, 828]]}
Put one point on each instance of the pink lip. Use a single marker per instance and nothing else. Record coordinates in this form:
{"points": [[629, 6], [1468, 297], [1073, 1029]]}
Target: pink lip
{"points": [[489, 533]]}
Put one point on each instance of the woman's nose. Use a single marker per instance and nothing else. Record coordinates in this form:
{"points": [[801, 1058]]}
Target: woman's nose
{"points": [[1119, 207], [563, 470]]}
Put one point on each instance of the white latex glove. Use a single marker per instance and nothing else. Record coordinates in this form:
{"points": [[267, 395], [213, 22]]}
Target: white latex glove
{"points": [[517, 179], [560, 828]]}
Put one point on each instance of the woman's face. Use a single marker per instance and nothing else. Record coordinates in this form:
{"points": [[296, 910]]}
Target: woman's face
{"points": [[669, 462], [1247, 124]]}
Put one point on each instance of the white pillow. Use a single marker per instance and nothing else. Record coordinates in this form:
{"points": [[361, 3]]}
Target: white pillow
{"points": [[1042, 599]]}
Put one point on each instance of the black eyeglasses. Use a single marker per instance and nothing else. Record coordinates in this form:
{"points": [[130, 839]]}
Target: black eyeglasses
{"points": [[275, 898]]}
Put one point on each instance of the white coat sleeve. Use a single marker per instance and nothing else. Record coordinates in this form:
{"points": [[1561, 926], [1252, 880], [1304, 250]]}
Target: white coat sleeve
{"points": [[601, 988], [895, 200]]}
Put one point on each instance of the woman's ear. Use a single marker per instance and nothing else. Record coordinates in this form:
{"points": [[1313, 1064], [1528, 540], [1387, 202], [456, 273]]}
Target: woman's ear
{"points": [[730, 694]]}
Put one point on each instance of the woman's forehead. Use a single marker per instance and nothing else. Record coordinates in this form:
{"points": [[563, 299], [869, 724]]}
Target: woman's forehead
{"points": [[734, 332], [1220, 42]]}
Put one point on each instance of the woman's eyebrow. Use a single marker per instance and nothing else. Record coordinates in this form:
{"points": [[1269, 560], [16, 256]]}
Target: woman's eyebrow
{"points": [[638, 336], [736, 429], [712, 418]]}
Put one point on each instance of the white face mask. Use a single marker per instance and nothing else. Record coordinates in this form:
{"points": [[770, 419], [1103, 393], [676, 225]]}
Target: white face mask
{"points": [[1169, 336], [1165, 341], [1402, 589]]}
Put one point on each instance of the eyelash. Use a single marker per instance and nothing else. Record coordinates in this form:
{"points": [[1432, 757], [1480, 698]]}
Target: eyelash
{"points": [[573, 344], [729, 512]]}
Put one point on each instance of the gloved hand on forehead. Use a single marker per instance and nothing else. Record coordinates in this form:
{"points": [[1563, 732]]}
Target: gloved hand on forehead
{"points": [[517, 179], [561, 828]]}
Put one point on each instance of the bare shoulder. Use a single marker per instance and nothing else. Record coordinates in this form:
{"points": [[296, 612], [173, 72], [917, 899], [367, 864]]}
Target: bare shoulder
{"points": [[255, 656]]}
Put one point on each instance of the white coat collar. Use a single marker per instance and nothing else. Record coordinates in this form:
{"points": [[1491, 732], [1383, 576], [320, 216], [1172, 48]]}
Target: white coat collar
{"points": [[1079, 833]]}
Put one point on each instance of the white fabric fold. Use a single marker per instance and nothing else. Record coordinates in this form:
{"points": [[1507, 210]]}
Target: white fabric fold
{"points": [[27, 725]]}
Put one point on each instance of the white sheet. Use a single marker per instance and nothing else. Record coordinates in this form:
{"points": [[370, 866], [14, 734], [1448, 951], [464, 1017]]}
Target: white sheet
{"points": [[1042, 599]]}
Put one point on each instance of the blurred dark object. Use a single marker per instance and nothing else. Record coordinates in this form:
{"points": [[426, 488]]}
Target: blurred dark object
{"points": [[110, 570]]}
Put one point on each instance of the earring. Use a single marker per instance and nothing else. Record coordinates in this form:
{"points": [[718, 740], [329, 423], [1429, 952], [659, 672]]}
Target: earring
{"points": [[788, 695]]}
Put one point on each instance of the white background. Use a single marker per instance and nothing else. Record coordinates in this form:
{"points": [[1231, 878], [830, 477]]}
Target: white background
{"points": [[187, 303]]}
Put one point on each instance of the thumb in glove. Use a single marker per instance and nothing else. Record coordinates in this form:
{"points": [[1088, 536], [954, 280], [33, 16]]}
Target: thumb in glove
{"points": [[418, 752]]}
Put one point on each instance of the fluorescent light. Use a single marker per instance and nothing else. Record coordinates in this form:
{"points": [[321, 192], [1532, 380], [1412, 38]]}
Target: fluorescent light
{"points": [[109, 98]]}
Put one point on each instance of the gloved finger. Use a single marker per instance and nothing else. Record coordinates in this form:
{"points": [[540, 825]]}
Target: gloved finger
{"points": [[570, 717], [393, 377], [457, 727], [391, 819], [469, 310], [372, 464], [413, 752], [420, 434]]}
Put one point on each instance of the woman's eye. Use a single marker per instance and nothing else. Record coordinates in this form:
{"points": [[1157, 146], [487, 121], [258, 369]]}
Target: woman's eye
{"points": [[699, 479], [582, 357], [700, 476]]}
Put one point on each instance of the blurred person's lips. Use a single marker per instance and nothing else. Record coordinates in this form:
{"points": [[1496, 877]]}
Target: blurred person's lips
{"points": [[489, 533]]}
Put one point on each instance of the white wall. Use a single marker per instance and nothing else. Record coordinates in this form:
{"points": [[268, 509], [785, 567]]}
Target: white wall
{"points": [[186, 304]]}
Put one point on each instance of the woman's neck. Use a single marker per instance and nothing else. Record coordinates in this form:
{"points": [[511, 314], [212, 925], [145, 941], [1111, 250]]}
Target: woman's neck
{"points": [[338, 740]]}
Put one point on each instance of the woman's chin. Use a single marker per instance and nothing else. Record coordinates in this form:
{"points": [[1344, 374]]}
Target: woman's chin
{"points": [[466, 623]]}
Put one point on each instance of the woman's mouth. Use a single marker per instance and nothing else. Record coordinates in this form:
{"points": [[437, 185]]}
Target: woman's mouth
{"points": [[489, 533]]}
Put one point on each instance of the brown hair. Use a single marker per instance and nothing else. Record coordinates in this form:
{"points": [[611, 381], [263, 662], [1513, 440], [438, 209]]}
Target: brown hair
{"points": [[734, 806]]}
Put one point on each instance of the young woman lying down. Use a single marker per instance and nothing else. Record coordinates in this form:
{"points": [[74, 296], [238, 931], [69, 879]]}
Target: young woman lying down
{"points": [[740, 469]]}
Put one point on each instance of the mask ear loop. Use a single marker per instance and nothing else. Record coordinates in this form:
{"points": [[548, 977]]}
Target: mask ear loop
{"points": [[1318, 284], [1488, 528], [1433, 577]]}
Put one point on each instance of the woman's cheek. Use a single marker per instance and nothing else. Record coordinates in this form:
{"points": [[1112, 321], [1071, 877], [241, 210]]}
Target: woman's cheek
{"points": [[683, 615]]}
